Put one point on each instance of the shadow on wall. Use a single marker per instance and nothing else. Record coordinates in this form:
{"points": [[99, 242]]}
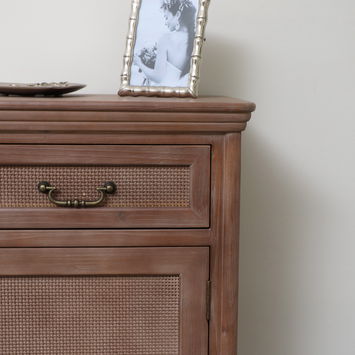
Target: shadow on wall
{"points": [[222, 67], [276, 247]]}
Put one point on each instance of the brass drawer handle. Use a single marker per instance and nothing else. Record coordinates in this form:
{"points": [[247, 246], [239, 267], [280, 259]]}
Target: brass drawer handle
{"points": [[46, 188]]}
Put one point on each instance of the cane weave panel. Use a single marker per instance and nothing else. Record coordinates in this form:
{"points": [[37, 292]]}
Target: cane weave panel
{"points": [[139, 187], [86, 315]]}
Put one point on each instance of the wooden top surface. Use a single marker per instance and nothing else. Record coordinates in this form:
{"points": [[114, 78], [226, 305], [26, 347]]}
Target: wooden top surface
{"points": [[115, 103]]}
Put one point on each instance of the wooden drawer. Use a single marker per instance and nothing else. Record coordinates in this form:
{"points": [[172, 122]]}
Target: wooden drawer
{"points": [[88, 301], [158, 186]]}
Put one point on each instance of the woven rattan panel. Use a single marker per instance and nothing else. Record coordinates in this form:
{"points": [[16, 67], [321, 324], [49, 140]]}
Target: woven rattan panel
{"points": [[149, 187], [84, 315]]}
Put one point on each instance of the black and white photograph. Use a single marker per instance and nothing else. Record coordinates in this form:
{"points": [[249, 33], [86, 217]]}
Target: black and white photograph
{"points": [[164, 43]]}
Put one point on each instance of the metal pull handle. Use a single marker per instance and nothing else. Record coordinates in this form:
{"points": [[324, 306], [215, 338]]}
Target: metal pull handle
{"points": [[46, 188]]}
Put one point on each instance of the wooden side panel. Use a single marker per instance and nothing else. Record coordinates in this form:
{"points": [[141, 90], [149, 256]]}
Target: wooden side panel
{"points": [[225, 247]]}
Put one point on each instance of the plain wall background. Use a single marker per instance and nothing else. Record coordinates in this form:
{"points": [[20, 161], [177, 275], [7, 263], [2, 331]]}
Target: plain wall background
{"points": [[296, 60]]}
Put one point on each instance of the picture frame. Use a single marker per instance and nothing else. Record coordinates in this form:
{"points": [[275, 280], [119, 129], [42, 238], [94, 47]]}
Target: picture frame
{"points": [[163, 48]]}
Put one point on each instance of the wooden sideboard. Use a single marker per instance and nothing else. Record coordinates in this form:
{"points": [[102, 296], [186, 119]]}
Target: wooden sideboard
{"points": [[152, 269]]}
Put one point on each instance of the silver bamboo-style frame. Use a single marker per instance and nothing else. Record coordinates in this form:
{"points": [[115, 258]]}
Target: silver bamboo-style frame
{"points": [[192, 89]]}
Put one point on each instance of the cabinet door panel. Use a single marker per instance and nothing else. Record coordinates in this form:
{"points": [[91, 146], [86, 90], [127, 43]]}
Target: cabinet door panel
{"points": [[137, 301]]}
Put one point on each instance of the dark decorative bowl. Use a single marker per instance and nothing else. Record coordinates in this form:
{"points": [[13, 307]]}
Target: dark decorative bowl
{"points": [[45, 89]]}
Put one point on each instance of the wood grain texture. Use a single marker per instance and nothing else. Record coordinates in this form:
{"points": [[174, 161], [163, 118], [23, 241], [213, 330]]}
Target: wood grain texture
{"points": [[106, 114], [104, 238], [118, 116], [225, 252], [79, 138], [10, 127], [116, 103], [45, 218], [131, 155]]}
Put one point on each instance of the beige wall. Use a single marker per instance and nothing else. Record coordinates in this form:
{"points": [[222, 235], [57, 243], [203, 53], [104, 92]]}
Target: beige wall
{"points": [[295, 59]]}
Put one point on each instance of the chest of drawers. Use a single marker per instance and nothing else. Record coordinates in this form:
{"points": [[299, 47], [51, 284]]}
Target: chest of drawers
{"points": [[144, 265]]}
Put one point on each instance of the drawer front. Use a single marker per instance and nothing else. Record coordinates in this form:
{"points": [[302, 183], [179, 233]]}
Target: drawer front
{"points": [[139, 301], [139, 187], [157, 186]]}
